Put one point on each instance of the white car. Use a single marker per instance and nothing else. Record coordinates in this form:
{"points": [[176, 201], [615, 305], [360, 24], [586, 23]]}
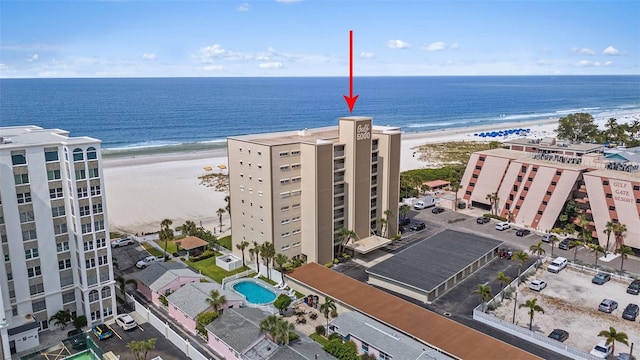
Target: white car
{"points": [[558, 264], [502, 226], [602, 350], [126, 322], [122, 242], [537, 285], [146, 261]]}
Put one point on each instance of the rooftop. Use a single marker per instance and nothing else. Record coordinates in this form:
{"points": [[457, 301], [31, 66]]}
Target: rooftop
{"points": [[553, 144], [191, 299], [431, 262], [191, 242], [159, 274], [25, 136], [238, 327], [441, 332]]}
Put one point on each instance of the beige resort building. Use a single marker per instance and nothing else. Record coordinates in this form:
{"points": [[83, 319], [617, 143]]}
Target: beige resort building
{"points": [[297, 189]]}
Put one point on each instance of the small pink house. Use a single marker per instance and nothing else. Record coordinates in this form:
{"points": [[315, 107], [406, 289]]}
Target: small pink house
{"points": [[191, 299], [163, 278]]}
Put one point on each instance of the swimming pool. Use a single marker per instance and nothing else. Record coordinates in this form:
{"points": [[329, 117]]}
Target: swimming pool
{"points": [[85, 355], [254, 292]]}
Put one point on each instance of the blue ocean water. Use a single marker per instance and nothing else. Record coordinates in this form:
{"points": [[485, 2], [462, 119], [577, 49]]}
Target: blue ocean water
{"points": [[161, 114]]}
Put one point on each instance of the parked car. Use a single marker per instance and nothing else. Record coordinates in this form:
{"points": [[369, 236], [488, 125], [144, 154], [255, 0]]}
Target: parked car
{"points": [[602, 350], [126, 322], [101, 331], [502, 226], [608, 305], [601, 278], [557, 264], [482, 220], [634, 287], [537, 285], [559, 334], [625, 356], [523, 232], [437, 210], [122, 242], [78, 339], [404, 222], [630, 312], [547, 237], [148, 260], [566, 244], [417, 226]]}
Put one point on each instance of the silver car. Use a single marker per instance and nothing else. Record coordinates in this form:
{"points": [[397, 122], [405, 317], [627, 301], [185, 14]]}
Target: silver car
{"points": [[608, 305]]}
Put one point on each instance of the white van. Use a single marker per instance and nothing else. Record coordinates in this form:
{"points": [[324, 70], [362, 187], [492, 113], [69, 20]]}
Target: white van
{"points": [[502, 226], [425, 202]]}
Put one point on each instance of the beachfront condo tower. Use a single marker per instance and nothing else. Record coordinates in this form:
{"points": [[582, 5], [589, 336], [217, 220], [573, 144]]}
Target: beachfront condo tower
{"points": [[55, 235], [301, 189]]}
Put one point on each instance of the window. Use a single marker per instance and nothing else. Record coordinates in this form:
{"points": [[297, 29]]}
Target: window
{"points": [[295, 166], [478, 167], [34, 271], [295, 206], [55, 193], [68, 297], [605, 182], [50, 155], [285, 247], [285, 221], [6, 257], [95, 315], [94, 296], [82, 192], [515, 187], [90, 263], [523, 168], [383, 356], [472, 184], [558, 172], [285, 195], [101, 242], [612, 208], [91, 153], [94, 173], [475, 176], [284, 167], [64, 264], [24, 198], [95, 190], [107, 311], [526, 188], [53, 175], [97, 208], [26, 216], [553, 183], [39, 305], [77, 154], [545, 203], [534, 169], [295, 152], [86, 228], [295, 218], [636, 188], [284, 154], [88, 245], [29, 235], [481, 158], [609, 196], [296, 179], [285, 234], [549, 193], [21, 179], [284, 181], [102, 260], [18, 158], [99, 225], [519, 178], [85, 210], [510, 197], [63, 246], [521, 197], [297, 231], [60, 228], [530, 179], [539, 212], [364, 347], [284, 208], [259, 153], [58, 211], [81, 174], [507, 206], [36, 289], [106, 292]]}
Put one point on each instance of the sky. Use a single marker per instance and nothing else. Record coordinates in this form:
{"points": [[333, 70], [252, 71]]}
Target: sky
{"points": [[214, 38]]}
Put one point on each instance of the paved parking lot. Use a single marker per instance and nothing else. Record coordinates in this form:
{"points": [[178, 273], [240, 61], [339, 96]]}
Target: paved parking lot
{"points": [[118, 343]]}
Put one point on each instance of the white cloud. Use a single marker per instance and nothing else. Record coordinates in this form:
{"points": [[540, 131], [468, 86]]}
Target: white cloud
{"points": [[149, 56], [544, 62], [397, 44], [367, 55], [454, 46], [587, 63], [608, 63], [213, 68], [436, 46], [611, 51], [287, 1], [244, 7], [583, 51], [32, 58], [271, 65]]}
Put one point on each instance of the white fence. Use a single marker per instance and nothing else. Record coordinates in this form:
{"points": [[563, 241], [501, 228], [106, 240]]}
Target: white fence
{"points": [[163, 327], [236, 276]]}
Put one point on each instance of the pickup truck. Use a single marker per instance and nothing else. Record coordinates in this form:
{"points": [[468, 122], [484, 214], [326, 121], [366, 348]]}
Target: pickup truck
{"points": [[148, 260]]}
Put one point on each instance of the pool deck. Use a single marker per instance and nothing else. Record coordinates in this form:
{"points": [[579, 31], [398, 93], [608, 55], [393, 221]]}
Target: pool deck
{"points": [[265, 306]]}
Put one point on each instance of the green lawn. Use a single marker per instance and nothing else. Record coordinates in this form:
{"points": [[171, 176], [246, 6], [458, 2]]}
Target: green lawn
{"points": [[151, 250], [209, 268], [171, 246], [319, 339], [225, 242]]}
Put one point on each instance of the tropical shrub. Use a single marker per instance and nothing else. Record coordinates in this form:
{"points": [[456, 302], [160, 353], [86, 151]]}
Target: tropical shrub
{"points": [[329, 265], [163, 300], [320, 330], [342, 351], [202, 320], [282, 302], [80, 321]]}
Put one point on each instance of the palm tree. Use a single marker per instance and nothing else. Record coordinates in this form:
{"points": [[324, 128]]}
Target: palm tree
{"points": [[383, 225], [485, 294], [62, 318], [283, 329], [491, 200], [327, 309], [141, 348], [188, 228], [255, 251], [267, 252], [575, 243], [612, 336], [346, 235], [623, 251], [609, 228], [281, 260], [122, 285], [522, 257], [618, 231], [227, 199], [166, 234], [538, 250], [583, 222], [552, 241], [597, 249], [216, 301], [404, 210], [269, 326], [241, 246], [503, 280], [533, 308], [220, 212]]}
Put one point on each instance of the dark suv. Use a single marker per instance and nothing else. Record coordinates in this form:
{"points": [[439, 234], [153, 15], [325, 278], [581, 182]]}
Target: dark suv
{"points": [[482, 220], [566, 244], [634, 287], [630, 312], [417, 226]]}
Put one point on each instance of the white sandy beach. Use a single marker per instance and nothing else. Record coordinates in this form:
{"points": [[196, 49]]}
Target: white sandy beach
{"points": [[143, 190]]}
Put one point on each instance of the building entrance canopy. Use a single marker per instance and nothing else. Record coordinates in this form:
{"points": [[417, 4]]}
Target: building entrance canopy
{"points": [[368, 244]]}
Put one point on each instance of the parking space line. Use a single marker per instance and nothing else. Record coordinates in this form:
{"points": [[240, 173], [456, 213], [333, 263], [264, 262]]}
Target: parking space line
{"points": [[116, 333]]}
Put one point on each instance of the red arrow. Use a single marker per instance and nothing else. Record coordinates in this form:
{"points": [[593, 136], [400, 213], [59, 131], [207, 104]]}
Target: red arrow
{"points": [[351, 100]]}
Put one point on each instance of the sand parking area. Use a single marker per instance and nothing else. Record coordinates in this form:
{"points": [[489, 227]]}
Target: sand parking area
{"points": [[570, 302]]}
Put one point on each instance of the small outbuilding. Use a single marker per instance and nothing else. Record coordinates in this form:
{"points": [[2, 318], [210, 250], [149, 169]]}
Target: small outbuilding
{"points": [[193, 245]]}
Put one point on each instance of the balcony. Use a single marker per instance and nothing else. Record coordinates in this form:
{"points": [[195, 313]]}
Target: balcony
{"points": [[338, 178], [338, 154]]}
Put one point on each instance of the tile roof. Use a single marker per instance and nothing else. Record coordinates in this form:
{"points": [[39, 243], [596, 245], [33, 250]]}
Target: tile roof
{"points": [[433, 329], [191, 242]]}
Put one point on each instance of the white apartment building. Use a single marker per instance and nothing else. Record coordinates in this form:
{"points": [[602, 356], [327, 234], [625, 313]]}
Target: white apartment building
{"points": [[297, 189], [54, 233]]}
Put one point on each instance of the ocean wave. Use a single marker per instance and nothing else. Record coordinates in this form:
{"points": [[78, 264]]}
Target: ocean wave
{"points": [[163, 147], [571, 111], [425, 125]]}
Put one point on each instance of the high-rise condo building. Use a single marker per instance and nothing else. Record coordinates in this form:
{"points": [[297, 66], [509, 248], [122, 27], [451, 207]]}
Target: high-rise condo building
{"points": [[54, 230], [298, 189]]}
